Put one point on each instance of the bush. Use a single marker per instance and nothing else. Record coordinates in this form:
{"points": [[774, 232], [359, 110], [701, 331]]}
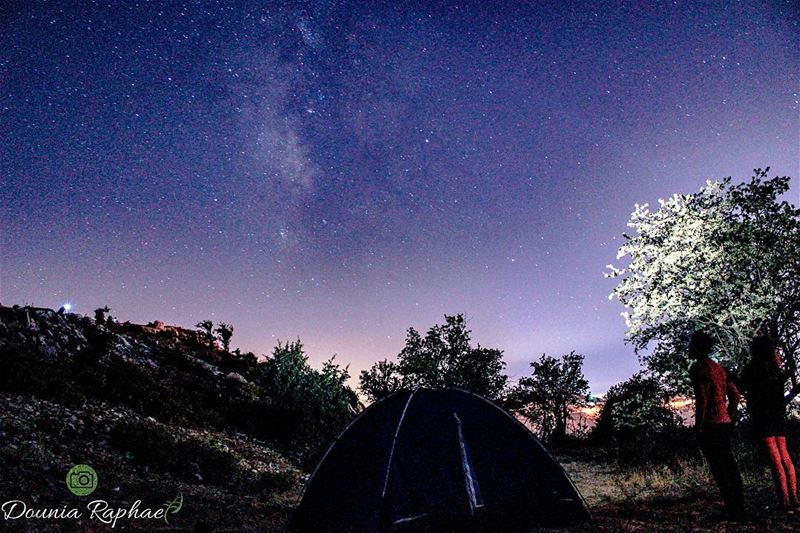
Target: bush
{"points": [[310, 407], [639, 424]]}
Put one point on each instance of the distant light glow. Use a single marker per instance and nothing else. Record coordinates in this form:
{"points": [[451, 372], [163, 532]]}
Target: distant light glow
{"points": [[67, 307]]}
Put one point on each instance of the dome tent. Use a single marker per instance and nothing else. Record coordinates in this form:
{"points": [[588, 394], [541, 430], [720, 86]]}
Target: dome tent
{"points": [[436, 460]]}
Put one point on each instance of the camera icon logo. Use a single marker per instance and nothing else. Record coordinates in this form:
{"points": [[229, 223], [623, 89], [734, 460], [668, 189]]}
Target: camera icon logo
{"points": [[81, 480]]}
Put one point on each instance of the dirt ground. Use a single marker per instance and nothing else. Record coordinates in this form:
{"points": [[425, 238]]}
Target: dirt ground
{"points": [[664, 500]]}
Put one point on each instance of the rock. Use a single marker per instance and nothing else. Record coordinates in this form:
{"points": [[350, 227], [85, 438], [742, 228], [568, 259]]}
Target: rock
{"points": [[235, 376]]}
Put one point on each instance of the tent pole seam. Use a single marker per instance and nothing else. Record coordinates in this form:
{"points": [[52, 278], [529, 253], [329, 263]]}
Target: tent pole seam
{"points": [[394, 442]]}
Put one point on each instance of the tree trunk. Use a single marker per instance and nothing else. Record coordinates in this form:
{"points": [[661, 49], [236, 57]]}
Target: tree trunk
{"points": [[793, 392], [790, 359], [560, 432]]}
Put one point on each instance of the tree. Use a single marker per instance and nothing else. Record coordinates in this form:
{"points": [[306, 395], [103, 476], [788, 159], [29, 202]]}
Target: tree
{"points": [[100, 315], [725, 259], [244, 362], [638, 420], [316, 404], [443, 358], [224, 334], [544, 397], [381, 380], [206, 329]]}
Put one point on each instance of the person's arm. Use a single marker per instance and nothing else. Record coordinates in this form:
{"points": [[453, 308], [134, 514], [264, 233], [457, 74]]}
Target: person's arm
{"points": [[700, 399], [734, 397]]}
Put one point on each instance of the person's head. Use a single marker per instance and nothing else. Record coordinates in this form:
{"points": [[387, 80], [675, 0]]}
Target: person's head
{"points": [[700, 345], [764, 351]]}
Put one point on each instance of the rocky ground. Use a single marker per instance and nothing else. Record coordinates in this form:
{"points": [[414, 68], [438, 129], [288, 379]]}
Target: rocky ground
{"points": [[231, 481], [155, 411]]}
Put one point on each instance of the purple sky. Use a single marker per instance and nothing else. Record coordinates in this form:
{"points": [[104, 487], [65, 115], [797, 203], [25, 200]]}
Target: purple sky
{"points": [[342, 171]]}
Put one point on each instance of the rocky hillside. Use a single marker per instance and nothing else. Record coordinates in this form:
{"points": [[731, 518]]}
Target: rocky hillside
{"points": [[157, 411]]}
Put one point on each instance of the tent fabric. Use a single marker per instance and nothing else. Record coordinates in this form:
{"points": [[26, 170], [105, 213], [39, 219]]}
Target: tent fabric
{"points": [[437, 460]]}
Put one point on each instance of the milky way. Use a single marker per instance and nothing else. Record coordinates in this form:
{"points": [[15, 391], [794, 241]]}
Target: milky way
{"points": [[342, 171]]}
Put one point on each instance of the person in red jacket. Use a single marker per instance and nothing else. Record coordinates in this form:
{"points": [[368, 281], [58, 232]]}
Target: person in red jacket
{"points": [[716, 398]]}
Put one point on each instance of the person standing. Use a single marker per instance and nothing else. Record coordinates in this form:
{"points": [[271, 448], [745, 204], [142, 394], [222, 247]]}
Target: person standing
{"points": [[763, 381], [716, 399]]}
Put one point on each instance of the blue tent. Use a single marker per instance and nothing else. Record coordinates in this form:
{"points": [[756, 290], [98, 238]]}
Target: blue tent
{"points": [[437, 460]]}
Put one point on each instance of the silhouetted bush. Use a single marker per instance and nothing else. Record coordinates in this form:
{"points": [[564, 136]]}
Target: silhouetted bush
{"points": [[639, 424], [310, 407]]}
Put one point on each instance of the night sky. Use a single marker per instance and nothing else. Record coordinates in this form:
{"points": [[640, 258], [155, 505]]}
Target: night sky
{"points": [[342, 171]]}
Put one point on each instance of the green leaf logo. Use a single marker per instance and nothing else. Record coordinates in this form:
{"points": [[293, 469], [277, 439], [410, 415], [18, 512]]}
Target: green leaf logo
{"points": [[173, 507]]}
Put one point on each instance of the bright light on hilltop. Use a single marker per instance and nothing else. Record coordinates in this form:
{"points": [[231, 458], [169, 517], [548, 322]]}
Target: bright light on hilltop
{"points": [[67, 307]]}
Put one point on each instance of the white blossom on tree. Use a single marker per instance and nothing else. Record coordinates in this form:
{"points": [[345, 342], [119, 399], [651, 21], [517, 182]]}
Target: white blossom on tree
{"points": [[725, 259]]}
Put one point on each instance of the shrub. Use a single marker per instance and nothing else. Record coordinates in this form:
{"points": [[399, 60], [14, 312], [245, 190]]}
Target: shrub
{"points": [[310, 406], [639, 423]]}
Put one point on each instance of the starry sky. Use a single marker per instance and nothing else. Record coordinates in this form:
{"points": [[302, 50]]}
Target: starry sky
{"points": [[340, 171]]}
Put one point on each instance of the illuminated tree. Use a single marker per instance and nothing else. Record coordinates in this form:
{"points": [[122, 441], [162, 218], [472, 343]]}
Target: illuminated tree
{"points": [[725, 259]]}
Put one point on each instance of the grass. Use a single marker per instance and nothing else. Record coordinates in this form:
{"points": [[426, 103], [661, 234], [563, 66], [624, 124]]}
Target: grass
{"points": [[666, 498]]}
